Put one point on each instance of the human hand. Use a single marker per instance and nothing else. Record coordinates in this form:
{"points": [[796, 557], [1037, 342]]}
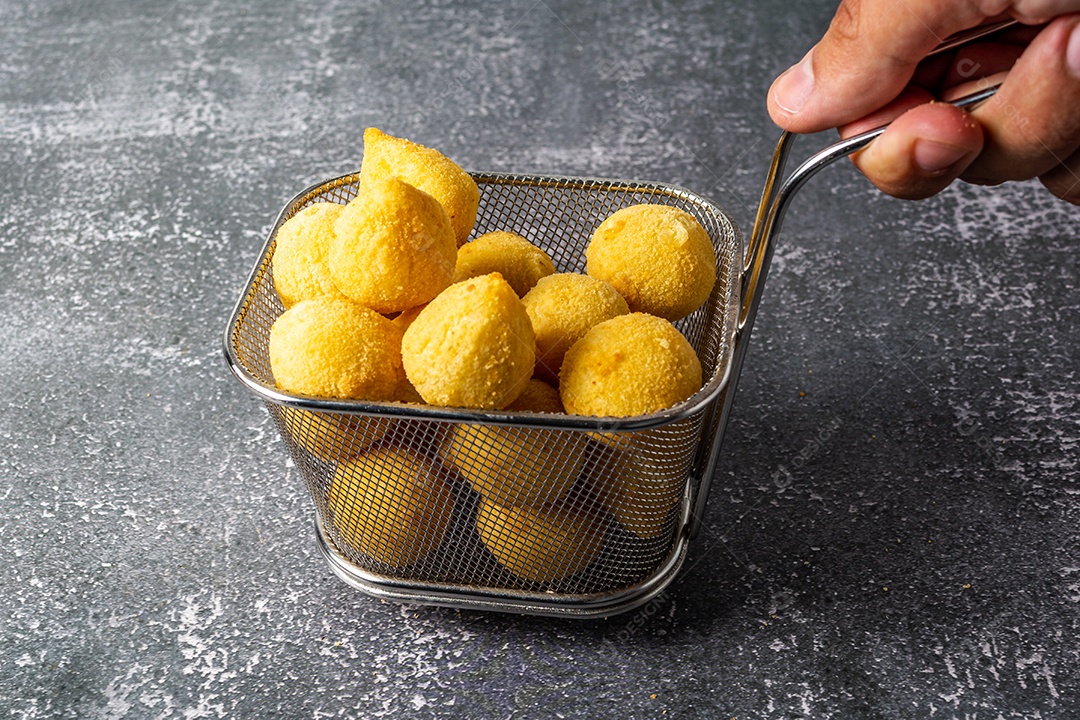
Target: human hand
{"points": [[871, 67]]}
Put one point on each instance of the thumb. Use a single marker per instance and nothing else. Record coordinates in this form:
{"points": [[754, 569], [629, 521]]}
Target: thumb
{"points": [[867, 56]]}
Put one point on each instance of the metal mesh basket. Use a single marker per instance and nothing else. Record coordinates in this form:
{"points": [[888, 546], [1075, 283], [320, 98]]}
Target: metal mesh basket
{"points": [[392, 483], [397, 514]]}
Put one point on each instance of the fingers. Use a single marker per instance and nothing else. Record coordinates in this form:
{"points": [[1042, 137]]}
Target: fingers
{"points": [[911, 97], [922, 151], [1032, 124], [871, 51], [1036, 12], [866, 71], [865, 59]]}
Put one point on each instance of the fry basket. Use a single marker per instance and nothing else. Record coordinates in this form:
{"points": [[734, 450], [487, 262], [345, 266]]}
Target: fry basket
{"points": [[638, 486]]}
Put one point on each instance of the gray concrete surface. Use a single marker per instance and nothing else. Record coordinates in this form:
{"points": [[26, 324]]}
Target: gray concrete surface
{"points": [[894, 527]]}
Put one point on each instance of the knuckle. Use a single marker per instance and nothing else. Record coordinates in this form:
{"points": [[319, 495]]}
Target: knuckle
{"points": [[846, 24], [1033, 12]]}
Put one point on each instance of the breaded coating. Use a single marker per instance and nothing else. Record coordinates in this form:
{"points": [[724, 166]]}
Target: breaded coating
{"points": [[562, 309], [390, 505], [538, 397], [329, 347], [333, 437], [427, 169], [471, 347], [658, 257], [403, 321], [514, 465], [639, 490], [301, 252], [630, 365], [519, 261], [540, 544], [393, 247]]}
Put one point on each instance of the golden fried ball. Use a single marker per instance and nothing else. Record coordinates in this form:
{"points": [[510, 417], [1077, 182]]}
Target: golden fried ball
{"points": [[658, 257], [471, 347], [390, 505], [562, 309], [515, 465], [539, 544], [519, 261], [301, 251], [409, 393], [330, 347], [630, 365], [427, 169], [333, 437], [640, 491], [393, 247], [539, 397]]}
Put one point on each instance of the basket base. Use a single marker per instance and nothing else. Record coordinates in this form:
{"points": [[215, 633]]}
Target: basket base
{"points": [[460, 597]]}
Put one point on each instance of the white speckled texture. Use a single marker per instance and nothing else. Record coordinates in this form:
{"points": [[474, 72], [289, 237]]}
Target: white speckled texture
{"points": [[894, 530]]}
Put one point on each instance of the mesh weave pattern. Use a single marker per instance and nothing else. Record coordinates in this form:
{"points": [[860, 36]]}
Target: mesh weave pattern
{"points": [[396, 493]]}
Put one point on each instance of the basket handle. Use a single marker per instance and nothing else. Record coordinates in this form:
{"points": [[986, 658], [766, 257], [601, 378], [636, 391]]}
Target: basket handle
{"points": [[775, 198], [774, 202]]}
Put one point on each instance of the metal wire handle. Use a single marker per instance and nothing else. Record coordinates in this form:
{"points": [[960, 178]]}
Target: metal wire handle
{"points": [[774, 203], [775, 199]]}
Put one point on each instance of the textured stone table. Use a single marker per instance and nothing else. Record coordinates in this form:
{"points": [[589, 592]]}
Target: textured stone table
{"points": [[894, 527]]}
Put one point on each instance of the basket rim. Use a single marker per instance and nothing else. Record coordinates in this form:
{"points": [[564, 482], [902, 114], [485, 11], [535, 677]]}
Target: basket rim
{"points": [[700, 400]]}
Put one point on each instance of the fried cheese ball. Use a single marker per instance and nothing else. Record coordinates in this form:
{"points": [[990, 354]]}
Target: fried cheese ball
{"points": [[330, 347], [471, 347], [390, 505], [562, 309], [658, 257], [538, 396], [539, 544], [515, 465], [426, 169], [393, 247], [640, 491], [301, 251], [630, 365], [519, 261], [403, 321], [333, 437]]}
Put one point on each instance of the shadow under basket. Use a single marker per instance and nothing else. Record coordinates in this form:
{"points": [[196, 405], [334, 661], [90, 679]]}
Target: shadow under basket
{"points": [[396, 512]]}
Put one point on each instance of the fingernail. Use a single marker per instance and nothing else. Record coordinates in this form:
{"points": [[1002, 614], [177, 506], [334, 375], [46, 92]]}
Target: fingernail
{"points": [[934, 157], [793, 88], [1072, 51]]}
